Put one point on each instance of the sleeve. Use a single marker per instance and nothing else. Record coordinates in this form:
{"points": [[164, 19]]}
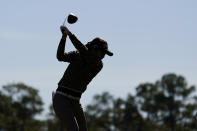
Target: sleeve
{"points": [[78, 45], [69, 56], [82, 49]]}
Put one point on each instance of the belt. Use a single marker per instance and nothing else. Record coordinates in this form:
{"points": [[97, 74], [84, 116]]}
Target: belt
{"points": [[68, 92]]}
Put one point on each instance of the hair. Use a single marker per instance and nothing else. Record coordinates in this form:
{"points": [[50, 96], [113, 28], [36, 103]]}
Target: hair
{"points": [[95, 41]]}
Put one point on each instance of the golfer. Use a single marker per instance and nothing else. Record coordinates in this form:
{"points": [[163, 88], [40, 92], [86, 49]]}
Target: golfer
{"points": [[84, 65]]}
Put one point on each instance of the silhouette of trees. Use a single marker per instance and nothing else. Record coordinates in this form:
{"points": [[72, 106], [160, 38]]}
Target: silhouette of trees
{"points": [[169, 104], [166, 105], [18, 106]]}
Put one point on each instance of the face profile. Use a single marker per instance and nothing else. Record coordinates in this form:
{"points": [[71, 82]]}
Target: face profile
{"points": [[98, 53], [99, 48]]}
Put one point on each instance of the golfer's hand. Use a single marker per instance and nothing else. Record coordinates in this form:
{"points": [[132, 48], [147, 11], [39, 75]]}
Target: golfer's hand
{"points": [[65, 31]]}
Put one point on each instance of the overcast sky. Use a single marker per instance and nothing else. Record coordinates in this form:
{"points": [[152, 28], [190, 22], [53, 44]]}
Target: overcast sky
{"points": [[149, 38]]}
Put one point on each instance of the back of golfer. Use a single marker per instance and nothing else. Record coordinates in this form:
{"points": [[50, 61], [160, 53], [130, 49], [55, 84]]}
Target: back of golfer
{"points": [[84, 65]]}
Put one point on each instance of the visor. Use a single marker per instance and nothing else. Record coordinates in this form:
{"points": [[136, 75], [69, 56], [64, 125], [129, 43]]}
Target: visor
{"points": [[109, 53], [103, 48]]}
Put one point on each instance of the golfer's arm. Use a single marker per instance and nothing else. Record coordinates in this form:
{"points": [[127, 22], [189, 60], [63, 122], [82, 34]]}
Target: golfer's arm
{"points": [[60, 50], [77, 44]]}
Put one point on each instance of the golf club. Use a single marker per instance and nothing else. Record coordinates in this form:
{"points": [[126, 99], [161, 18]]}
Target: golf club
{"points": [[71, 19]]}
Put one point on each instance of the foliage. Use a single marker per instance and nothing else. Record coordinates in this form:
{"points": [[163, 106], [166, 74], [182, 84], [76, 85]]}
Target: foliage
{"points": [[166, 105], [19, 105], [169, 104]]}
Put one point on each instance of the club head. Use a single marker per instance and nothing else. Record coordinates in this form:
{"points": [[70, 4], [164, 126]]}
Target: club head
{"points": [[71, 19]]}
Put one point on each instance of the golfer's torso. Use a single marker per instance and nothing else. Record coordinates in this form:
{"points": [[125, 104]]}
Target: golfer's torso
{"points": [[79, 73]]}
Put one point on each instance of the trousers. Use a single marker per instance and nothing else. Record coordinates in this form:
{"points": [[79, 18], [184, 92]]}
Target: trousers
{"points": [[70, 113]]}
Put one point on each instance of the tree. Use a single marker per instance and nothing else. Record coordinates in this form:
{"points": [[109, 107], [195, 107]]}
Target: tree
{"points": [[21, 104], [168, 102], [110, 114], [126, 116], [98, 114], [6, 111]]}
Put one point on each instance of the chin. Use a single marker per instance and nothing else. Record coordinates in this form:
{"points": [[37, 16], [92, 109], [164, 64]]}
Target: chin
{"points": [[101, 58]]}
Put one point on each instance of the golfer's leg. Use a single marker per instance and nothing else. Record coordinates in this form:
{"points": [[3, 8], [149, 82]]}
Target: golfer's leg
{"points": [[64, 112], [68, 119], [80, 117]]}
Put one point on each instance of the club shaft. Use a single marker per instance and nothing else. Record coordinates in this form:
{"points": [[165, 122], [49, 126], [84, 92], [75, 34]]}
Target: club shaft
{"points": [[64, 21]]}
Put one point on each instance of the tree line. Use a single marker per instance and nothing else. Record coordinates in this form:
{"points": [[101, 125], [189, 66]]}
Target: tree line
{"points": [[169, 104]]}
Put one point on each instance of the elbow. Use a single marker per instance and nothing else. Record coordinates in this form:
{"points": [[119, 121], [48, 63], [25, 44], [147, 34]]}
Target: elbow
{"points": [[59, 57]]}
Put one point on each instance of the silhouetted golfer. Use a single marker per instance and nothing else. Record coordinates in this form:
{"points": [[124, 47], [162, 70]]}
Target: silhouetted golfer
{"points": [[84, 65]]}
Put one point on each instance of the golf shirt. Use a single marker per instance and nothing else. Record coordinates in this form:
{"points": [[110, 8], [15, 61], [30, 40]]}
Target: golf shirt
{"points": [[82, 68]]}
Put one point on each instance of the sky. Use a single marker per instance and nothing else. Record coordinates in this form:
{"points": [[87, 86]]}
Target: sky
{"points": [[149, 38]]}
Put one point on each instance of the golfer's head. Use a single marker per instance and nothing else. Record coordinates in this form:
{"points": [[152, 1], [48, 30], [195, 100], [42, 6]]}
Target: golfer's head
{"points": [[99, 47]]}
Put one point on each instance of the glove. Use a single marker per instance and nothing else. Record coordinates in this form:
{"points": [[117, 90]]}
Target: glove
{"points": [[65, 30]]}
